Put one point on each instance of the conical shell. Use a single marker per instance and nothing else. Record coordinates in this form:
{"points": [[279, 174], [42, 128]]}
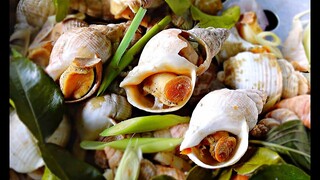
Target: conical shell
{"points": [[259, 71], [25, 155], [99, 113], [34, 12], [294, 82], [82, 42], [162, 54], [234, 111]]}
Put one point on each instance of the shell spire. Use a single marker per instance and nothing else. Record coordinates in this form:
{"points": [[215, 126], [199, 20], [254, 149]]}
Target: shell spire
{"points": [[232, 113]]}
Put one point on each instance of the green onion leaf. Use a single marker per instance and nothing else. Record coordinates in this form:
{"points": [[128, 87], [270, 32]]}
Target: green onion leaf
{"points": [[144, 124], [122, 47], [147, 145], [129, 165], [62, 8], [114, 68]]}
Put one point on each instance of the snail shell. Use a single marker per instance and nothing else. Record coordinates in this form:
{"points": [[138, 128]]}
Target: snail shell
{"points": [[34, 12], [260, 71], [170, 52], [40, 49], [25, 155], [294, 82], [101, 112], [234, 111], [81, 42]]}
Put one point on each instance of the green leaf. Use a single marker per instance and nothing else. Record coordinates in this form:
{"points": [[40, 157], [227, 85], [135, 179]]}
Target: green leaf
{"points": [[198, 172], [144, 124], [261, 156], [280, 172], [227, 19], [65, 166], [147, 145], [37, 98], [292, 134], [62, 9], [179, 6], [48, 175]]}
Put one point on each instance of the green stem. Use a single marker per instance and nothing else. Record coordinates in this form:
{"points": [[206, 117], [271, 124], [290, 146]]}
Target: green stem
{"points": [[114, 68], [278, 146]]}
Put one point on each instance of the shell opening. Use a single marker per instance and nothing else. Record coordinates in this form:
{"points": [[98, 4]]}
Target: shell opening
{"points": [[216, 148], [194, 51], [167, 89]]}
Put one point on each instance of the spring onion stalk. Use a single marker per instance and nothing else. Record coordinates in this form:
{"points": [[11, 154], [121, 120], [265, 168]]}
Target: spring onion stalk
{"points": [[114, 68], [129, 166], [261, 38], [144, 124], [147, 145], [62, 8], [122, 48]]}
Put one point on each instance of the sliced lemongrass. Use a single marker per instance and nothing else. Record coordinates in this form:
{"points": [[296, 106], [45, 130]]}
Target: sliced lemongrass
{"points": [[147, 145], [129, 166], [261, 38], [144, 124]]}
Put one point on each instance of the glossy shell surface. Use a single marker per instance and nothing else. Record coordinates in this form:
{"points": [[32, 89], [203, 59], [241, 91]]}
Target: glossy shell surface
{"points": [[234, 111]]}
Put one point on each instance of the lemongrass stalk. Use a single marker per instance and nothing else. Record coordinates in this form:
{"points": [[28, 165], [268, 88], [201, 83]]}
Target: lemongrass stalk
{"points": [[114, 69], [144, 124], [147, 145]]}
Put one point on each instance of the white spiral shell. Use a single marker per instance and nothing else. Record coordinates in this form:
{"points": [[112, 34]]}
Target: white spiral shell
{"points": [[234, 111], [161, 54], [249, 70]]}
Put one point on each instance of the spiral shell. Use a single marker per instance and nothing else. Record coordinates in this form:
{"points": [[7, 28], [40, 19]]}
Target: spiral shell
{"points": [[170, 51], [259, 71], [34, 12], [234, 111], [25, 155], [294, 82], [99, 113], [82, 42]]}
